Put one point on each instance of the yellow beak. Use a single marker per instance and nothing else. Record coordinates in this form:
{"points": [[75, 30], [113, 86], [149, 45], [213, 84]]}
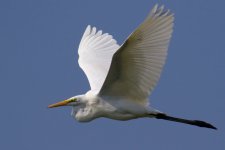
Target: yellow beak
{"points": [[62, 103]]}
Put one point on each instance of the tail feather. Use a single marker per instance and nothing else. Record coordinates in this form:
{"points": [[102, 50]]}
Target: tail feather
{"points": [[186, 121]]}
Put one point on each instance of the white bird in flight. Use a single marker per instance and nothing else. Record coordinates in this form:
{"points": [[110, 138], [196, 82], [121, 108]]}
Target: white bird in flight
{"points": [[122, 77]]}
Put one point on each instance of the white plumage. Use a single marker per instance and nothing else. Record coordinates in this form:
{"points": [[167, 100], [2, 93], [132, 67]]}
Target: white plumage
{"points": [[141, 59], [122, 77], [95, 55]]}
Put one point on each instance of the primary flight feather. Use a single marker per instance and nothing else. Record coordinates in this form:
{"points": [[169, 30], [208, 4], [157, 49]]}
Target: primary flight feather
{"points": [[122, 77]]}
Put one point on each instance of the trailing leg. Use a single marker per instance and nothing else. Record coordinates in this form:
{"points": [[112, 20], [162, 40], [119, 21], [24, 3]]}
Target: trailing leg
{"points": [[186, 121]]}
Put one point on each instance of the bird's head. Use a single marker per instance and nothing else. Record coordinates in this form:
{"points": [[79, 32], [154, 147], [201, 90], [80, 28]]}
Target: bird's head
{"points": [[73, 101], [80, 110]]}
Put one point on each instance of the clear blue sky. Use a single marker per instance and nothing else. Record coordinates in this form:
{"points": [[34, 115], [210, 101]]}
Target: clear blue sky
{"points": [[38, 66]]}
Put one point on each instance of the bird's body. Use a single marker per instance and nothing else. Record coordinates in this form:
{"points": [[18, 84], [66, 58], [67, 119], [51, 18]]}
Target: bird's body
{"points": [[122, 77], [109, 107]]}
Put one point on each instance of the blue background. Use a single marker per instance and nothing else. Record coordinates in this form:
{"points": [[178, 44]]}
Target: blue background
{"points": [[38, 66]]}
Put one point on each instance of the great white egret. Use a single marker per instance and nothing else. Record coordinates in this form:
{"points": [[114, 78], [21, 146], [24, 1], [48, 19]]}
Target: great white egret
{"points": [[122, 77]]}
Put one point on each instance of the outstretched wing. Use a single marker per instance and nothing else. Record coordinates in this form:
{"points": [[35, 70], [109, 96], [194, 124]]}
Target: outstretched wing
{"points": [[136, 66], [95, 54]]}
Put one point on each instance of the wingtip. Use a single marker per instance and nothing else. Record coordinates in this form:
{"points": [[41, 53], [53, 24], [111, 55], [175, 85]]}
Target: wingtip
{"points": [[88, 27], [155, 7], [161, 7], [159, 10], [93, 30]]}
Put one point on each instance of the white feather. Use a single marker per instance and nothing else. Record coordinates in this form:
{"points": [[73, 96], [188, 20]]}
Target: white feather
{"points": [[137, 65], [95, 55]]}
